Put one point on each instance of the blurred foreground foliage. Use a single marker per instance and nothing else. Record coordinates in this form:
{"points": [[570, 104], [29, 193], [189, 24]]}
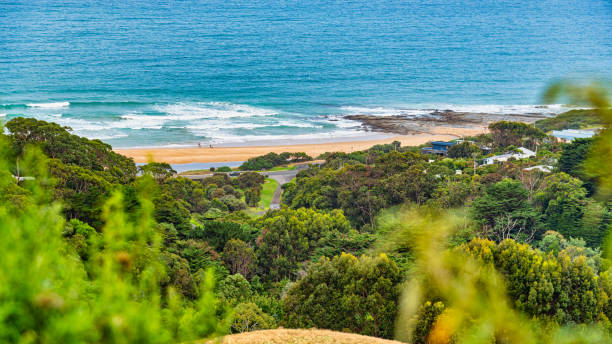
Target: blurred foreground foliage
{"points": [[483, 292], [599, 162], [48, 294]]}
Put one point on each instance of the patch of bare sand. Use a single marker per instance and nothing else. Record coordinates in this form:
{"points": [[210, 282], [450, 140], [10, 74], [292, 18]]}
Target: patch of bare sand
{"points": [[226, 154], [291, 336]]}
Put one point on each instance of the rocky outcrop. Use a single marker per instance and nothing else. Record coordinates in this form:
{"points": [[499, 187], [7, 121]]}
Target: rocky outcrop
{"points": [[408, 124]]}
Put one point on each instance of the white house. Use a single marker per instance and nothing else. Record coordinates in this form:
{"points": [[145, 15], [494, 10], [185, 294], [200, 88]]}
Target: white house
{"points": [[543, 168], [524, 153]]}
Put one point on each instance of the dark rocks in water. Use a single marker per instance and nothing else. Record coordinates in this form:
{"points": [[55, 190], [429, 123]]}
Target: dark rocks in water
{"points": [[410, 124], [387, 124]]}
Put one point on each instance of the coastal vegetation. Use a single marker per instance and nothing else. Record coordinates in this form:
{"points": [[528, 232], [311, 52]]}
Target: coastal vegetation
{"points": [[574, 119], [385, 242], [271, 160]]}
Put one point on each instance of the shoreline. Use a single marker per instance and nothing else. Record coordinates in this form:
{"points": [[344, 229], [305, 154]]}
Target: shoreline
{"points": [[243, 153]]}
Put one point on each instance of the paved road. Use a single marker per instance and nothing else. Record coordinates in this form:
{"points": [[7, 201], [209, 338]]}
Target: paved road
{"points": [[282, 177]]}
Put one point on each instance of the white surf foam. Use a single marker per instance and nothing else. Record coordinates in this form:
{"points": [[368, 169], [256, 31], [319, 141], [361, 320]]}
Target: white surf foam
{"points": [[183, 111], [229, 125], [100, 136], [508, 109], [203, 127], [80, 125], [341, 122], [55, 105], [426, 109], [224, 138], [137, 121], [383, 111], [221, 122], [296, 124]]}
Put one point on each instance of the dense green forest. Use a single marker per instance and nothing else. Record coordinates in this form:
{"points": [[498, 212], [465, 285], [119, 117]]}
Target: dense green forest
{"points": [[385, 242]]}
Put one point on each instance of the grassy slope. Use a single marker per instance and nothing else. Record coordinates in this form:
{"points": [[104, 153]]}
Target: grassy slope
{"points": [[205, 171], [574, 119], [267, 192], [283, 168], [310, 336], [194, 172]]}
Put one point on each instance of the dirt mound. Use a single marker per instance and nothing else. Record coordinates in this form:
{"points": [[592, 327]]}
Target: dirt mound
{"points": [[310, 336]]}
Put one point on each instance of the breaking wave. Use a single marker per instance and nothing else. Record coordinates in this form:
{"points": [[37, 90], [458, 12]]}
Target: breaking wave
{"points": [[427, 109], [56, 105]]}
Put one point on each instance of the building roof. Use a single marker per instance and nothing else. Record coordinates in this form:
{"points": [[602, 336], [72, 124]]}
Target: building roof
{"points": [[523, 154], [543, 168], [496, 157], [526, 151], [442, 143]]}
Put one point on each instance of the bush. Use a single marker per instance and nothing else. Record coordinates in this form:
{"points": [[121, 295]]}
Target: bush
{"points": [[463, 150], [252, 197], [507, 133], [290, 237], [270, 160], [239, 257], [159, 170], [232, 203], [249, 317], [558, 287], [218, 232], [504, 212], [346, 293], [234, 289]]}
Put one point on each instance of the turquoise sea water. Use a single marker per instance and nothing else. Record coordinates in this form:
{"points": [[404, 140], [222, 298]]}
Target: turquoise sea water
{"points": [[156, 73]]}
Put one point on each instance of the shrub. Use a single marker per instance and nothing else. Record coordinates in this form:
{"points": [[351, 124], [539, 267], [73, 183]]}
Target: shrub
{"points": [[239, 257], [346, 293], [266, 162], [249, 317]]}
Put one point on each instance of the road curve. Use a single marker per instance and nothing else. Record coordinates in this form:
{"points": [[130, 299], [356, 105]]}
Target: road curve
{"points": [[281, 177]]}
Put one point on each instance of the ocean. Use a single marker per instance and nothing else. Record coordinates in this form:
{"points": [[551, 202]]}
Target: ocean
{"points": [[225, 72]]}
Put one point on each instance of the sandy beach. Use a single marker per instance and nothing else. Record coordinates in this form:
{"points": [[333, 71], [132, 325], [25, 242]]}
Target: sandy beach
{"points": [[226, 154]]}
